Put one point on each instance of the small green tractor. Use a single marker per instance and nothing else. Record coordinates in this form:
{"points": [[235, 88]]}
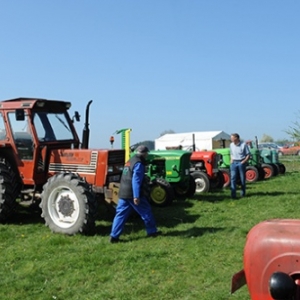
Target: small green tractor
{"points": [[169, 174], [271, 163], [254, 170]]}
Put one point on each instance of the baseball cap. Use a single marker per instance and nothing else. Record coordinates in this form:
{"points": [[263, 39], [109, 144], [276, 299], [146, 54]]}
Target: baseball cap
{"points": [[142, 149]]}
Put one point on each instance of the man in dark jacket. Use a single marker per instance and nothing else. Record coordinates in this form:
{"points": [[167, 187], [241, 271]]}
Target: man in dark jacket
{"points": [[132, 196]]}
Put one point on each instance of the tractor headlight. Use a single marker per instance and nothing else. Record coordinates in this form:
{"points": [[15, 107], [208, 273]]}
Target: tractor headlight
{"points": [[110, 169]]}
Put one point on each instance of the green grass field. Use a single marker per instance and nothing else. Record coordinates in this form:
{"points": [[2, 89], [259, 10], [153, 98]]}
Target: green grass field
{"points": [[202, 247]]}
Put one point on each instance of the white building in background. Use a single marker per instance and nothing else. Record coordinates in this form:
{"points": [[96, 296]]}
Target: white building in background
{"points": [[204, 140]]}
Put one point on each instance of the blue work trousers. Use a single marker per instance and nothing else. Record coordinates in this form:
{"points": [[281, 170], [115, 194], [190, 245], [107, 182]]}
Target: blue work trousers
{"points": [[123, 210], [237, 168]]}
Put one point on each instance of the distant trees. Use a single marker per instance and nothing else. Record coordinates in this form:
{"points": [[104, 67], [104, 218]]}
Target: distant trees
{"points": [[148, 143], [167, 131], [266, 139]]}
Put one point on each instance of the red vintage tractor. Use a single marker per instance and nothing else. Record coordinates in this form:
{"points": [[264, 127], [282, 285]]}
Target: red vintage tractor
{"points": [[204, 169], [271, 261], [43, 161]]}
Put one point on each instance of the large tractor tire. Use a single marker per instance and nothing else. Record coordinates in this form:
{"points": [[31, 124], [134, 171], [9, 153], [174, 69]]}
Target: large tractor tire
{"points": [[186, 191], [161, 193], [192, 187], [218, 182], [282, 168], [276, 169], [9, 190], [202, 182], [252, 174], [261, 172], [226, 177], [269, 170], [68, 204]]}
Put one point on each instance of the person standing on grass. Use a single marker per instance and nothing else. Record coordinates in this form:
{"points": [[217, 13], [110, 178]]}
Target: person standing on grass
{"points": [[133, 196], [239, 155]]}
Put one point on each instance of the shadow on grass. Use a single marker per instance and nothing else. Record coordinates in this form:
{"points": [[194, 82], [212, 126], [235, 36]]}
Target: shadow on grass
{"points": [[26, 215], [214, 196], [195, 231], [273, 193], [168, 216]]}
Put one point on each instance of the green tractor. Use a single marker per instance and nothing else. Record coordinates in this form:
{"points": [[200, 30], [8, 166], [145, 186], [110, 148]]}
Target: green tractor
{"points": [[254, 170], [224, 164], [270, 162], [169, 175], [168, 172]]}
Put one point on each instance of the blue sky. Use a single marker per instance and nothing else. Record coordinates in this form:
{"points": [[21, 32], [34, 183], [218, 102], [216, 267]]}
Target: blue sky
{"points": [[157, 65]]}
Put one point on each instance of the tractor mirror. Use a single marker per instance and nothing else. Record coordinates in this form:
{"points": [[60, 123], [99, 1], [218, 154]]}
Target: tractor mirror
{"points": [[77, 116], [20, 115]]}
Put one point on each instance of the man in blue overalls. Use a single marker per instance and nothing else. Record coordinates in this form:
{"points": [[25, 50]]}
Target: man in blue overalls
{"points": [[239, 155], [133, 196]]}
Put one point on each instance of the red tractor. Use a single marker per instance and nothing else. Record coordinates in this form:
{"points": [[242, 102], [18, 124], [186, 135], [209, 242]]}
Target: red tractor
{"points": [[43, 161], [204, 169], [271, 261]]}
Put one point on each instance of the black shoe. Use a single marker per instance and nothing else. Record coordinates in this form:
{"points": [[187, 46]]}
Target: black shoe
{"points": [[114, 240], [154, 234]]}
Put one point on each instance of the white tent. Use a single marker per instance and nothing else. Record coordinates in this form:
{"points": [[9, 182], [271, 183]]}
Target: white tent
{"points": [[204, 140]]}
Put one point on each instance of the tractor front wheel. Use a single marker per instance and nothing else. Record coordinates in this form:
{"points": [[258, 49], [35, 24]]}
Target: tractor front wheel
{"points": [[185, 189], [161, 192], [68, 204], [269, 170], [252, 174], [202, 182], [226, 177]]}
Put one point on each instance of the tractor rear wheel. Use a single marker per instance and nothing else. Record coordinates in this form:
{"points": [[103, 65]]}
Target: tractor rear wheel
{"points": [[276, 169], [202, 182], [281, 168], [9, 190], [252, 174], [269, 170], [261, 172], [161, 192], [68, 204], [218, 182]]}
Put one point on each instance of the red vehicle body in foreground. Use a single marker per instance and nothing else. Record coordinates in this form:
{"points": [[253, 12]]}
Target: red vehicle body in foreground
{"points": [[271, 261]]}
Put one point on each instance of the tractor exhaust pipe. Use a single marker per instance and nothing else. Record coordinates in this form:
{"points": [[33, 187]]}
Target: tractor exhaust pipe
{"points": [[194, 143], [86, 130], [256, 142]]}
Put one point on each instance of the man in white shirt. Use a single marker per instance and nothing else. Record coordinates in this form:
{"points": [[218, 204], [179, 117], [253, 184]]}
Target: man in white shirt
{"points": [[239, 155]]}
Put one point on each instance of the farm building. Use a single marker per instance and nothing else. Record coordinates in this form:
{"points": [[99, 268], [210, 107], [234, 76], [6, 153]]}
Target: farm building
{"points": [[204, 140]]}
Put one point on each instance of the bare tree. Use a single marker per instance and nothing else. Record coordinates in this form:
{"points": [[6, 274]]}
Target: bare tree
{"points": [[294, 130]]}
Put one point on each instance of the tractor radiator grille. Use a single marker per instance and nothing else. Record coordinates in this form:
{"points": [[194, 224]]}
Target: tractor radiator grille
{"points": [[76, 168], [116, 157]]}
